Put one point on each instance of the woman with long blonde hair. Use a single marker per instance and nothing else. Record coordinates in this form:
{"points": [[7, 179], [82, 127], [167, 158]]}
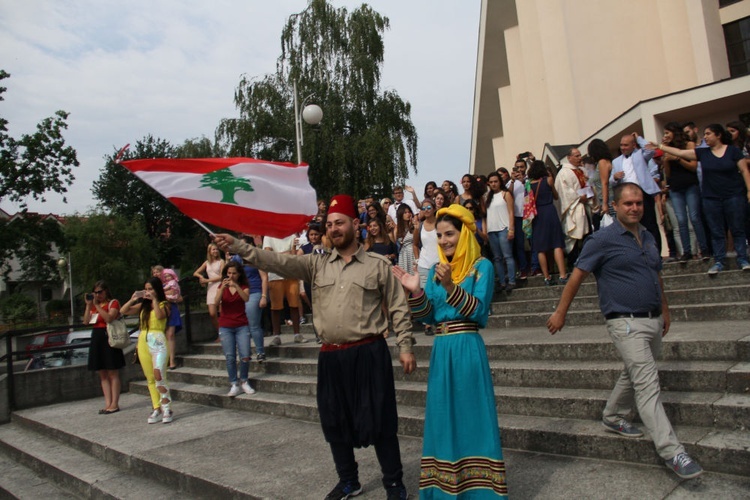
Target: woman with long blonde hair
{"points": [[212, 267]]}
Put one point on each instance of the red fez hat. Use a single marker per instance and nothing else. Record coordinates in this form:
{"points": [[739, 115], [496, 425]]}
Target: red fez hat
{"points": [[342, 204]]}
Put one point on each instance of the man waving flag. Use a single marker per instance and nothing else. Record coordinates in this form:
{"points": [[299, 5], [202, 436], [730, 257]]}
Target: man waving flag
{"points": [[240, 194]]}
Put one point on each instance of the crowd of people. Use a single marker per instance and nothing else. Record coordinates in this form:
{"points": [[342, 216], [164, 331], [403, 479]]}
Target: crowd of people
{"points": [[376, 265]]}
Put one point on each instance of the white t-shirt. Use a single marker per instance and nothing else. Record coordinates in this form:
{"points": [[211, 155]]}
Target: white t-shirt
{"points": [[519, 192], [281, 245]]}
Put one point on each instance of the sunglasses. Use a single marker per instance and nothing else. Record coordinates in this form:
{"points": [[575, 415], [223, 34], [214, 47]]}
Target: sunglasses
{"points": [[427, 207], [98, 291]]}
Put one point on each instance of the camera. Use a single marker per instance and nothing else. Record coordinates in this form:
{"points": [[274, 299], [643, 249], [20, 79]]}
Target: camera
{"points": [[140, 293], [525, 155], [89, 296]]}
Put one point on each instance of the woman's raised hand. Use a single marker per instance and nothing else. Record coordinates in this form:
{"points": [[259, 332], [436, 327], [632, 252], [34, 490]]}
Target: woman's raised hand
{"points": [[410, 282]]}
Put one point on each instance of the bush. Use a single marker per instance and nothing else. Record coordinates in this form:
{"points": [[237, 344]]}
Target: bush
{"points": [[18, 307], [57, 309]]}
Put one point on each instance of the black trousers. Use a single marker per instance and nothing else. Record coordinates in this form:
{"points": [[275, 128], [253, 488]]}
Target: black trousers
{"points": [[389, 457]]}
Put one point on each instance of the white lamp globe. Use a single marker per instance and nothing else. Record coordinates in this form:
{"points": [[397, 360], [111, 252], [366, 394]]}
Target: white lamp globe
{"points": [[312, 114]]}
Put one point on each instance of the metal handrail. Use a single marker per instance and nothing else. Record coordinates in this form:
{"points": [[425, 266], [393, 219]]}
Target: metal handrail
{"points": [[21, 332]]}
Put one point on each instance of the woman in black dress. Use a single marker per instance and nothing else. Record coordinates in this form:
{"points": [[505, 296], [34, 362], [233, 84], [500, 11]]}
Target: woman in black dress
{"points": [[546, 234], [101, 309]]}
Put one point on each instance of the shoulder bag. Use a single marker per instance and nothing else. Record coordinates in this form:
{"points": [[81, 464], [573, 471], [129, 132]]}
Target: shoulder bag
{"points": [[117, 332]]}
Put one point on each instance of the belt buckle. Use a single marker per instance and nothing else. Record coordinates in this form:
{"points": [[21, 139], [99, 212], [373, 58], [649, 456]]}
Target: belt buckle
{"points": [[444, 328]]}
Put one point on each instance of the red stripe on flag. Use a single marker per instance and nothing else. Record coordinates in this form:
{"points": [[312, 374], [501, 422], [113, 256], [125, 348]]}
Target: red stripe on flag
{"points": [[194, 165], [244, 220]]}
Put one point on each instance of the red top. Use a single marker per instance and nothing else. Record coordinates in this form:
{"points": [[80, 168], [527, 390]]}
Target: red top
{"points": [[100, 323], [232, 309]]}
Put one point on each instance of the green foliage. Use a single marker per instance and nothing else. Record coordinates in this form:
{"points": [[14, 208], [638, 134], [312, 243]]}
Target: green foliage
{"points": [[35, 164], [176, 240], [366, 141], [31, 238], [18, 307], [31, 167], [112, 248]]}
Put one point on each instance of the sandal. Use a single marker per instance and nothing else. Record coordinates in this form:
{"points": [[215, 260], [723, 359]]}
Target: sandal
{"points": [[110, 412]]}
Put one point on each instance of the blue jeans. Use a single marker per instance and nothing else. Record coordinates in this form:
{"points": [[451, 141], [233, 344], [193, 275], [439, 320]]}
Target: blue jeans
{"points": [[729, 213], [688, 203], [254, 320], [502, 255], [233, 339]]}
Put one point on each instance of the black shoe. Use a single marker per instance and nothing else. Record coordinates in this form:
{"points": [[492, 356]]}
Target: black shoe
{"points": [[342, 491], [397, 493], [686, 257]]}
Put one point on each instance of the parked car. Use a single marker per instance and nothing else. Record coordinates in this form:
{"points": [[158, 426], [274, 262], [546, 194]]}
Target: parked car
{"points": [[45, 340], [78, 356]]}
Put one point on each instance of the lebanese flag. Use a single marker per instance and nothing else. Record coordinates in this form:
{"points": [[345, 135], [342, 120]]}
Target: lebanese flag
{"points": [[242, 194]]}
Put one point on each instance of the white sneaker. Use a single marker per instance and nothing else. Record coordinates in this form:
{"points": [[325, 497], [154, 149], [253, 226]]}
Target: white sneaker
{"points": [[299, 339], [246, 387], [168, 415], [234, 391], [155, 416], [276, 340]]}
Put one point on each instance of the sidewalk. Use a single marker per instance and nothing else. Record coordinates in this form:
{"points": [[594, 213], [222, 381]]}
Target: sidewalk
{"points": [[273, 457]]}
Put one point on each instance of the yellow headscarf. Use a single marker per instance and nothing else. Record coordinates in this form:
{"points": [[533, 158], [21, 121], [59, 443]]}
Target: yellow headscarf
{"points": [[467, 250]]}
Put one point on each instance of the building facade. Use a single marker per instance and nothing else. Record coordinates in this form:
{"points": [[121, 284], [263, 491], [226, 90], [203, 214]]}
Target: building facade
{"points": [[561, 72]]}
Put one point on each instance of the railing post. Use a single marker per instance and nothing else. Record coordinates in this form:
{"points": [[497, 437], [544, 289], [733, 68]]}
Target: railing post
{"points": [[11, 383], [188, 324]]}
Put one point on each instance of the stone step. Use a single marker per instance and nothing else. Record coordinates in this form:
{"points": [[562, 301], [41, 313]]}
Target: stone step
{"points": [[702, 343], [18, 481], [730, 293], [725, 451], [576, 317], [683, 408], [75, 474], [700, 376], [694, 267], [536, 290]]}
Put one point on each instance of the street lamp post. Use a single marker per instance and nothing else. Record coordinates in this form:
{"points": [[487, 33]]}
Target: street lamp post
{"points": [[64, 265], [311, 114]]}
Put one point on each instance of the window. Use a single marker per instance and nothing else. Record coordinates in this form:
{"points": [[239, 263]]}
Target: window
{"points": [[737, 37], [725, 3]]}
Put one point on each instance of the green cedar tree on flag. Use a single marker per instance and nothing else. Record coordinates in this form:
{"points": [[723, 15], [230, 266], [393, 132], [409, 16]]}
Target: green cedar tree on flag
{"points": [[241, 194]]}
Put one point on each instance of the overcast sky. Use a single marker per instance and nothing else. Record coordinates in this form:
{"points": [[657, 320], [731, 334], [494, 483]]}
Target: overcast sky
{"points": [[169, 68]]}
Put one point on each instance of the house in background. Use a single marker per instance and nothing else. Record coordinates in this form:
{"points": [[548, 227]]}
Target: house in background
{"points": [[560, 72], [41, 291]]}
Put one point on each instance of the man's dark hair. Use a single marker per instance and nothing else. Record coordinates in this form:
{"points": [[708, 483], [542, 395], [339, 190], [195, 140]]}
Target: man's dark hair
{"points": [[617, 192], [314, 226], [688, 124]]}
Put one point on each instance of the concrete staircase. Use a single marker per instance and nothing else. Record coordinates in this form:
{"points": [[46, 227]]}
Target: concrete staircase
{"points": [[550, 391]]}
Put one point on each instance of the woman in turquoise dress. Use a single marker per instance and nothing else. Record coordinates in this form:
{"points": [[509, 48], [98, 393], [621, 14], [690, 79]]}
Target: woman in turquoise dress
{"points": [[462, 455]]}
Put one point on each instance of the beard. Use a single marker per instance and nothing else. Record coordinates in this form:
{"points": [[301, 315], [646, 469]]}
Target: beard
{"points": [[343, 239]]}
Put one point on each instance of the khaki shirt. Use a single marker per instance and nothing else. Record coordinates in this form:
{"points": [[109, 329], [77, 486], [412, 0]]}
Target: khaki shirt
{"points": [[347, 297]]}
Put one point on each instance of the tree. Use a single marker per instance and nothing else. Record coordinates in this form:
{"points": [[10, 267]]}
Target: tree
{"points": [[113, 248], [33, 166], [366, 141], [177, 241]]}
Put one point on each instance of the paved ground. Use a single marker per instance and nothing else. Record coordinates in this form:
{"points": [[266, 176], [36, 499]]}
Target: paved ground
{"points": [[272, 457]]}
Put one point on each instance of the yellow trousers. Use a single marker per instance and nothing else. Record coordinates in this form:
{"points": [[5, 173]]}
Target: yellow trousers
{"points": [[147, 365]]}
